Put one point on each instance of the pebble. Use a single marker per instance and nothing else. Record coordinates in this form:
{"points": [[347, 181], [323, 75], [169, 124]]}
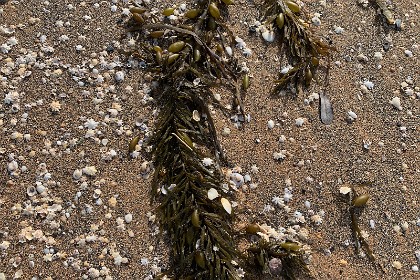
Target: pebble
{"points": [[128, 218], [397, 265], [270, 124]]}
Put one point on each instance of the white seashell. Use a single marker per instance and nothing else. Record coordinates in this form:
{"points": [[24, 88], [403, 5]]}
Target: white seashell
{"points": [[270, 124], [369, 84], [207, 161], [352, 115], [212, 193], [345, 190], [196, 116], [89, 170], [285, 69], [119, 76], [268, 35], [77, 174], [40, 188], [128, 218], [299, 121], [31, 191], [237, 179], [396, 102], [226, 205], [229, 51]]}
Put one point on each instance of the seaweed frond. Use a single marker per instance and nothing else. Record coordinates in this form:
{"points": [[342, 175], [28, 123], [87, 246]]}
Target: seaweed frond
{"points": [[279, 258], [297, 42], [188, 59]]}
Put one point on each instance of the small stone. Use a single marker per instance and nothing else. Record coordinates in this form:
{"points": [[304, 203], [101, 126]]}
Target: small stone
{"points": [[270, 124], [397, 265], [128, 218]]}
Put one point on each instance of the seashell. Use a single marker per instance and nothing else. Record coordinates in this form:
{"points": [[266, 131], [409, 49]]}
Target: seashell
{"points": [[168, 11], [77, 174], [214, 11], [31, 191], [360, 201], [212, 193], [280, 20], [40, 188], [352, 115], [176, 47], [229, 51], [196, 116], [325, 109], [268, 35], [270, 124], [97, 193], [396, 102], [237, 179], [226, 205], [345, 190]]}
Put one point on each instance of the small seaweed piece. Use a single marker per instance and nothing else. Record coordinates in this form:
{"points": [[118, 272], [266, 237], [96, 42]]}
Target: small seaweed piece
{"points": [[301, 47], [288, 257], [187, 60], [386, 11]]}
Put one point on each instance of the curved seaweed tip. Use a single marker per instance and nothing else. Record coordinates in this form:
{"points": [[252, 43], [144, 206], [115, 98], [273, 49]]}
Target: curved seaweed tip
{"points": [[297, 42], [187, 60]]}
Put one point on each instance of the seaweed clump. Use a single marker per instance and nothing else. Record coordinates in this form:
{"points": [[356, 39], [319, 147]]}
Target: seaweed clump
{"points": [[298, 43], [187, 54]]}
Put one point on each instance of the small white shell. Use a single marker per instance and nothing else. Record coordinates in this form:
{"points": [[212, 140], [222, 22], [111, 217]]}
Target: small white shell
{"points": [[268, 35], [196, 116], [396, 102], [212, 194], [226, 205], [31, 191], [270, 124], [352, 115], [345, 190], [207, 162], [237, 179], [229, 50], [299, 121], [369, 84]]}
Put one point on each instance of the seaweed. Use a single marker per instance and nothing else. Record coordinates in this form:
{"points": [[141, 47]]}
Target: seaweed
{"points": [[279, 258], [297, 43], [188, 58]]}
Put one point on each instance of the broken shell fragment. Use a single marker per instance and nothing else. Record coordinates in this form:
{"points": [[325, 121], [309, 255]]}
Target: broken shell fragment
{"points": [[196, 116], [212, 193], [214, 11], [360, 201], [176, 47], [226, 205], [268, 35], [31, 191], [396, 102]]}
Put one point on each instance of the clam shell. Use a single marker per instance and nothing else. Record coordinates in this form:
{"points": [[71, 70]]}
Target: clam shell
{"points": [[226, 205], [212, 193]]}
